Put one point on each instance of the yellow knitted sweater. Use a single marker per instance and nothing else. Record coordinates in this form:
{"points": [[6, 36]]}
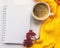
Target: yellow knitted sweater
{"points": [[50, 29]]}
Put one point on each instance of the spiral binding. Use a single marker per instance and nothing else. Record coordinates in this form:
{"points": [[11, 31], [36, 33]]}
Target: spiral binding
{"points": [[4, 21]]}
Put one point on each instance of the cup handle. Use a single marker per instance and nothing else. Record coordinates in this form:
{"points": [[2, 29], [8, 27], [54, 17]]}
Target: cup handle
{"points": [[51, 14]]}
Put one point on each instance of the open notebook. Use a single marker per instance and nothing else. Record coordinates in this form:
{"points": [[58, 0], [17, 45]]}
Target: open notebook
{"points": [[17, 17], [16, 20]]}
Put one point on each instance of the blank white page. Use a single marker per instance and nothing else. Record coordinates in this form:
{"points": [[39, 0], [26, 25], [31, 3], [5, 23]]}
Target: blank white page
{"points": [[17, 21]]}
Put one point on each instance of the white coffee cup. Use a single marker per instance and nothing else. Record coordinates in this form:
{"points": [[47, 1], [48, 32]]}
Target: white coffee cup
{"points": [[45, 16]]}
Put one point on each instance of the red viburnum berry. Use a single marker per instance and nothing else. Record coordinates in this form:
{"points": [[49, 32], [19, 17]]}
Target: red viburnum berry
{"points": [[28, 42]]}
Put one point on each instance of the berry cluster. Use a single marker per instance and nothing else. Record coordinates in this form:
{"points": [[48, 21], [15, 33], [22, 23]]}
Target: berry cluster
{"points": [[28, 42]]}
